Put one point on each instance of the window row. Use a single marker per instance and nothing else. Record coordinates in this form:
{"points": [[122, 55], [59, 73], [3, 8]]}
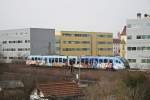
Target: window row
{"points": [[105, 36], [132, 60], [14, 49], [11, 57], [16, 41], [142, 60], [104, 42], [105, 49], [76, 42], [138, 25], [138, 48], [76, 35], [129, 37], [143, 37], [145, 61], [76, 49]]}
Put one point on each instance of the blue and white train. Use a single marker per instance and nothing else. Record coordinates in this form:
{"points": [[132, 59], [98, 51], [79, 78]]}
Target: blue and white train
{"points": [[98, 62]]}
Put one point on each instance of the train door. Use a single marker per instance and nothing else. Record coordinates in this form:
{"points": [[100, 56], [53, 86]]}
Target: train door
{"points": [[60, 61], [110, 64], [49, 61], [100, 61], [65, 62], [95, 62], [91, 60], [46, 61]]}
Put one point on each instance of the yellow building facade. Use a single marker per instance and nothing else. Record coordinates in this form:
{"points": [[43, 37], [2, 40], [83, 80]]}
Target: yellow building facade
{"points": [[77, 43], [123, 43]]}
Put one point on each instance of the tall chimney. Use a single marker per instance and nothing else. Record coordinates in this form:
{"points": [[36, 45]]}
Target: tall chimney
{"points": [[138, 15]]}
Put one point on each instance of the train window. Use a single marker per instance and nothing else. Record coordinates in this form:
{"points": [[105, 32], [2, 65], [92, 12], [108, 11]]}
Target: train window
{"points": [[118, 61], [110, 61], [96, 60], [50, 60], [105, 60], [82, 60], [39, 58], [56, 59], [45, 59], [100, 60], [86, 61], [60, 59], [33, 58], [64, 60], [53, 60], [73, 60], [91, 60]]}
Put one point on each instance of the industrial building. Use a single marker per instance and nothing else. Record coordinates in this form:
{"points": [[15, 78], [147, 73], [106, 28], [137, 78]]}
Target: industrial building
{"points": [[19, 43], [77, 43], [138, 42]]}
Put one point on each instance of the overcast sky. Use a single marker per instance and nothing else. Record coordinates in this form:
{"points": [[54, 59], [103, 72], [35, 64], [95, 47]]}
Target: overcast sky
{"points": [[78, 15]]}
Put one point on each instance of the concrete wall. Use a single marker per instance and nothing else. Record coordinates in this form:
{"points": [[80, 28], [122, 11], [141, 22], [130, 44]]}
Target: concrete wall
{"points": [[138, 27], [42, 41]]}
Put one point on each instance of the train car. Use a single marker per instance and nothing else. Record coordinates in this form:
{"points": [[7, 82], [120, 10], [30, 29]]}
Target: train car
{"points": [[52, 60], [102, 62], [97, 62]]}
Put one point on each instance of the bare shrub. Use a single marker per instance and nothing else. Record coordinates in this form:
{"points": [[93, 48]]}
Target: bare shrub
{"points": [[134, 86]]}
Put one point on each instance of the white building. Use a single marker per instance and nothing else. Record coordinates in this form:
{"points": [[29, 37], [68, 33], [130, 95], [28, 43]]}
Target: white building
{"points": [[19, 43], [138, 42]]}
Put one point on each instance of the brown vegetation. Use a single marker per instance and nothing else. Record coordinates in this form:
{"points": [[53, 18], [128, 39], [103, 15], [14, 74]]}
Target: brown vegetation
{"points": [[110, 85]]}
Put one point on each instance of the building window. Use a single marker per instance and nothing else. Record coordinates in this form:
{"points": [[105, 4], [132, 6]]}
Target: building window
{"points": [[129, 37], [131, 48], [105, 49], [4, 42], [145, 61], [128, 25], [143, 48], [27, 41], [76, 49], [57, 48], [66, 34], [86, 42], [132, 60], [104, 36], [143, 36], [4, 57], [104, 42], [19, 41], [138, 37]]}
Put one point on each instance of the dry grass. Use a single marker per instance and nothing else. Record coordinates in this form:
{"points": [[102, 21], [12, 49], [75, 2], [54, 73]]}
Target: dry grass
{"points": [[108, 85]]}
